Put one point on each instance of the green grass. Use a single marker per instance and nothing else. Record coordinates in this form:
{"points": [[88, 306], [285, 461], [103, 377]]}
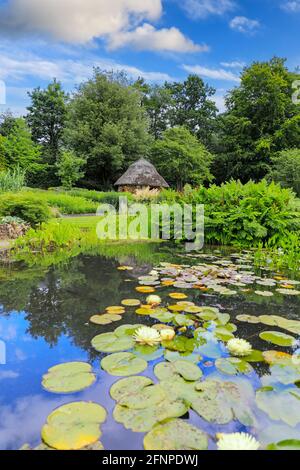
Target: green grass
{"points": [[84, 222]]}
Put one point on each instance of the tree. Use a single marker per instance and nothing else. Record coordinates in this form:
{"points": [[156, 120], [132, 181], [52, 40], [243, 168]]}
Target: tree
{"points": [[46, 118], [181, 158], [107, 127], [69, 168], [18, 150], [192, 107], [261, 119], [7, 122], [286, 169]]}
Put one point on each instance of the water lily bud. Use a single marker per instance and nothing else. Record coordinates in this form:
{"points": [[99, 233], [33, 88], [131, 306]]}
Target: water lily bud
{"points": [[153, 300], [167, 334]]}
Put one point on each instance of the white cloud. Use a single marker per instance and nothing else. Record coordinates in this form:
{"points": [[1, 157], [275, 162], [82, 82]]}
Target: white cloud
{"points": [[196, 9], [117, 22], [146, 37], [233, 65], [244, 25], [292, 6], [17, 66], [215, 74], [78, 20]]}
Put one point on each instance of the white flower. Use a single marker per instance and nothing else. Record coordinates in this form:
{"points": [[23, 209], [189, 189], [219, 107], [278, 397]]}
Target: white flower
{"points": [[239, 347], [237, 441], [153, 300], [148, 336], [167, 334]]}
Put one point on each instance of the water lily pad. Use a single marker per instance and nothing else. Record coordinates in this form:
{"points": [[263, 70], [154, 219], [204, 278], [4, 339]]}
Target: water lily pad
{"points": [[123, 364], [233, 366], [264, 293], [129, 386], [145, 419], [127, 330], [180, 344], [289, 444], [285, 374], [280, 404], [143, 311], [163, 317], [292, 326], [149, 353], [69, 377], [193, 309], [178, 296], [176, 308], [275, 337], [277, 357], [221, 402], [131, 302], [176, 435], [292, 292], [145, 289], [110, 342], [182, 368], [172, 356], [105, 319], [74, 426], [248, 318], [255, 356], [183, 320], [117, 310], [223, 334]]}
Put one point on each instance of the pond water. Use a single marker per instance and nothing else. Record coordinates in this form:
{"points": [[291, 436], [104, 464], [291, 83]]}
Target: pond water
{"points": [[44, 321]]}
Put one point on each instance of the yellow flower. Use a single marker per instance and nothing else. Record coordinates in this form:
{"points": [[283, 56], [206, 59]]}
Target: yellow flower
{"points": [[153, 300], [147, 336], [167, 334], [237, 441], [239, 347]]}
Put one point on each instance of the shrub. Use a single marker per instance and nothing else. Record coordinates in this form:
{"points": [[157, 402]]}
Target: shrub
{"points": [[245, 215], [146, 194], [12, 180], [20, 205]]}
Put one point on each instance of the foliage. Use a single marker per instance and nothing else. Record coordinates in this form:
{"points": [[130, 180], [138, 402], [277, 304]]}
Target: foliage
{"points": [[66, 203], [181, 158], [237, 214], [17, 150], [33, 211], [286, 169], [46, 118], [107, 126], [69, 169], [12, 180], [261, 120]]}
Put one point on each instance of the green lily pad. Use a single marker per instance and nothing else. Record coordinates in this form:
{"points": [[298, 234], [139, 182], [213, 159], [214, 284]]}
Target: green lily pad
{"points": [[74, 426], [186, 369], [149, 353], [293, 326], [275, 337], [68, 378], [163, 317], [233, 366], [248, 319], [280, 404], [123, 364], [146, 397], [221, 402], [129, 387], [223, 334], [109, 343], [172, 356], [145, 419], [285, 374], [127, 330], [105, 319], [183, 320], [176, 435], [255, 356], [180, 344], [289, 444]]}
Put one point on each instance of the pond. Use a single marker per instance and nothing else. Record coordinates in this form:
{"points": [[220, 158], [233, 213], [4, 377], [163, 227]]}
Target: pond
{"points": [[45, 316]]}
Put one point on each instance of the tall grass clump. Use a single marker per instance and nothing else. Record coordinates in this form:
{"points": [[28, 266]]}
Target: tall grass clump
{"points": [[12, 180]]}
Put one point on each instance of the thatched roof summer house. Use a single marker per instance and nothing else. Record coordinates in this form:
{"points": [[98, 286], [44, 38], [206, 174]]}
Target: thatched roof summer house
{"points": [[140, 175]]}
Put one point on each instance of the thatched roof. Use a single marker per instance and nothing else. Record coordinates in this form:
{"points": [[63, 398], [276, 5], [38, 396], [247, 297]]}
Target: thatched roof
{"points": [[142, 173]]}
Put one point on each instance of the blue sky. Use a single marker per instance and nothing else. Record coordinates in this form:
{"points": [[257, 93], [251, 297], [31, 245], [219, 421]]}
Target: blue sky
{"points": [[158, 39]]}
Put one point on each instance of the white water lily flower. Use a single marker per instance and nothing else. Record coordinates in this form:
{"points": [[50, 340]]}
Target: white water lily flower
{"points": [[237, 441], [239, 347], [153, 300], [147, 336], [167, 334]]}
